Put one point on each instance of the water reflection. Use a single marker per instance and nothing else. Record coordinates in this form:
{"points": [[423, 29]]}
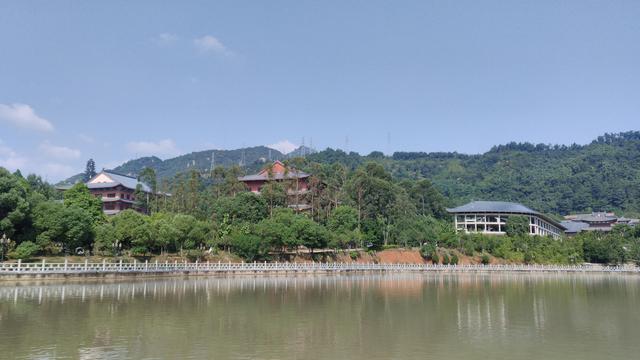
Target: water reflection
{"points": [[392, 315]]}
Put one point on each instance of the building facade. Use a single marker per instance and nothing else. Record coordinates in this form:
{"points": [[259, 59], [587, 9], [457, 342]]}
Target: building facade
{"points": [[597, 221], [116, 191], [490, 217], [296, 183]]}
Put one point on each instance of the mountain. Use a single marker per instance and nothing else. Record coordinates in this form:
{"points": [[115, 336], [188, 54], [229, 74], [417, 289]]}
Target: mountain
{"points": [[252, 159], [603, 175]]}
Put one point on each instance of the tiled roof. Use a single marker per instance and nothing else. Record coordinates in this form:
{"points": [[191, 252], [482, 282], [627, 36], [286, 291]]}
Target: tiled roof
{"points": [[574, 226], [502, 207], [276, 176], [277, 173], [493, 206], [118, 179]]}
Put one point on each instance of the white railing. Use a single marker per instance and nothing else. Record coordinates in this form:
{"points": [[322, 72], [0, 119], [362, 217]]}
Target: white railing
{"points": [[264, 267]]}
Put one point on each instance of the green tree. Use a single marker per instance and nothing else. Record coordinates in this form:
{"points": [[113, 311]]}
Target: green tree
{"points": [[25, 250], [80, 196], [14, 207], [90, 170], [517, 226], [309, 233], [245, 207], [249, 246]]}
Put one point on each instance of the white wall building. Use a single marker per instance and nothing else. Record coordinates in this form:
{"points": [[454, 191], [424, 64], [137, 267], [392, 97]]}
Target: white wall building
{"points": [[490, 217]]}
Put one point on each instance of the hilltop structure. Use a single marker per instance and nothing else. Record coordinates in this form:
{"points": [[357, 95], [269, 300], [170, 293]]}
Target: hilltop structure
{"points": [[490, 217], [596, 221], [296, 183], [116, 191]]}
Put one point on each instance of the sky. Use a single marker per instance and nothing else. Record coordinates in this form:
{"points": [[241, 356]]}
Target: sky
{"points": [[116, 80]]}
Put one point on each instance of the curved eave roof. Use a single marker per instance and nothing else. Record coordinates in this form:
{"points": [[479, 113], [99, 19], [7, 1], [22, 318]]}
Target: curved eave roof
{"points": [[500, 207]]}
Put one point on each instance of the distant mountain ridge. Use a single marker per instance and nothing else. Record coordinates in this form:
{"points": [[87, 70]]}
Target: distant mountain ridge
{"points": [[603, 175], [251, 158]]}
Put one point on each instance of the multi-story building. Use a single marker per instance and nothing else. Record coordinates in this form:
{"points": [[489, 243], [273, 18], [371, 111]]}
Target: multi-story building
{"points": [[490, 217], [596, 221], [296, 183], [116, 191]]}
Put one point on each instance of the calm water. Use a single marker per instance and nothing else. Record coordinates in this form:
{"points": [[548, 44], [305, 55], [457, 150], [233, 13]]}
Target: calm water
{"points": [[396, 316]]}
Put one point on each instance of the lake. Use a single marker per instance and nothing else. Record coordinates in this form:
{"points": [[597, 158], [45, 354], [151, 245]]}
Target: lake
{"points": [[365, 316]]}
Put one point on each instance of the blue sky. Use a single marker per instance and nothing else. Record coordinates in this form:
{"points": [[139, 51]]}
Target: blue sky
{"points": [[121, 79]]}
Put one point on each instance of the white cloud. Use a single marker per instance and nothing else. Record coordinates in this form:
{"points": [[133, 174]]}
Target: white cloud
{"points": [[209, 43], [284, 146], [86, 138], [11, 160], [165, 39], [24, 116], [59, 152], [58, 171], [158, 148]]}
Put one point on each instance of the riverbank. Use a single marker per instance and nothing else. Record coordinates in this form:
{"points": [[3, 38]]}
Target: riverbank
{"points": [[66, 270]]}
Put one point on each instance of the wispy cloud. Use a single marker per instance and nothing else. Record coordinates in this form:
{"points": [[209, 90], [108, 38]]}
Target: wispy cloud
{"points": [[284, 146], [59, 152], [209, 43], [22, 115], [166, 147], [165, 39], [58, 171], [11, 160], [86, 138]]}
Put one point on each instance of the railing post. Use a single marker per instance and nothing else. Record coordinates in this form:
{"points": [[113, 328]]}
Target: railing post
{"points": [[65, 264], [19, 264], [86, 264], [146, 265], [156, 265], [43, 261], [104, 265], [120, 265], [135, 265]]}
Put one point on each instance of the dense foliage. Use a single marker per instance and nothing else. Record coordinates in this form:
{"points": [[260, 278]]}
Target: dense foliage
{"points": [[357, 202]]}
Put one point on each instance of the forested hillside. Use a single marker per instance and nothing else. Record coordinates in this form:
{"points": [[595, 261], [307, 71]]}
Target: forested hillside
{"points": [[603, 175], [557, 179]]}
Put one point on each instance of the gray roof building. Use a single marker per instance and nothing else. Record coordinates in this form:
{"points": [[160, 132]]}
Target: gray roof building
{"points": [[490, 217], [108, 179]]}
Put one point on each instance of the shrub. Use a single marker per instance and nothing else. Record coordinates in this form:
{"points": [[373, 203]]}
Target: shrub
{"points": [[445, 259], [427, 250], [354, 255], [25, 250], [194, 254], [485, 259], [434, 257], [454, 260]]}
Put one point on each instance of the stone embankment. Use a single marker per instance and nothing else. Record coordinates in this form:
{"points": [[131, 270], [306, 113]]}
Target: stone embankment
{"points": [[19, 270]]}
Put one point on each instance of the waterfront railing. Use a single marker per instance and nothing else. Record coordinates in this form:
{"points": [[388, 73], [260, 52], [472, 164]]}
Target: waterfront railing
{"points": [[105, 267]]}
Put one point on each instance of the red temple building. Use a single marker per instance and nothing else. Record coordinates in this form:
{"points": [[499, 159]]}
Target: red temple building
{"points": [[116, 191], [297, 183]]}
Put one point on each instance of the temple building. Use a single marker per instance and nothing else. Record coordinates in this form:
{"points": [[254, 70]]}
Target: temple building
{"points": [[490, 217], [296, 183], [116, 191], [596, 221]]}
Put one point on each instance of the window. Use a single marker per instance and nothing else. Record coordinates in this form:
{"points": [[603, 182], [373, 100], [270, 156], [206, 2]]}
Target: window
{"points": [[493, 228], [503, 219], [481, 218], [471, 228], [470, 218], [112, 195], [480, 227], [460, 218], [492, 219]]}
